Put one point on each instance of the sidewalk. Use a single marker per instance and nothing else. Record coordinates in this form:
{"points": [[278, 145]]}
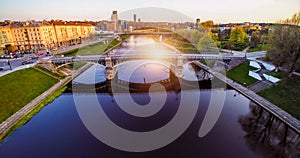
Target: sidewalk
{"points": [[259, 85], [3, 73]]}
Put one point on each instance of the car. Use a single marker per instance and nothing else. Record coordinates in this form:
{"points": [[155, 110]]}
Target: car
{"points": [[34, 57], [27, 62], [55, 48], [40, 54]]}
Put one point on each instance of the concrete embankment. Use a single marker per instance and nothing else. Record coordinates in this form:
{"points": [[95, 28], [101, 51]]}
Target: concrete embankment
{"points": [[9, 123], [282, 115]]}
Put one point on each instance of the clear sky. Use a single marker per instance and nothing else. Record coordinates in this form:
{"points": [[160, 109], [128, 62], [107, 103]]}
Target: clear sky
{"points": [[220, 11]]}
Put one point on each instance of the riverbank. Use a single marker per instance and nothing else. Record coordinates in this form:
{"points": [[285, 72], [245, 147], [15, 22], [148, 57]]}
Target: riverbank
{"points": [[285, 94], [287, 118], [24, 114], [21, 87], [96, 48]]}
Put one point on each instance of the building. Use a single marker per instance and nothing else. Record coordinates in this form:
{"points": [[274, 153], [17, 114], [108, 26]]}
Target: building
{"points": [[6, 40], [70, 33], [32, 36], [198, 23], [134, 17], [114, 19]]}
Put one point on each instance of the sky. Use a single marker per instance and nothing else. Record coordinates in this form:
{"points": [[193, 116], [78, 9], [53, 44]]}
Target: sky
{"points": [[220, 11]]}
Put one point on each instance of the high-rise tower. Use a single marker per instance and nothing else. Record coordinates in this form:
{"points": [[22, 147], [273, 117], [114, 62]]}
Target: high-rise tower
{"points": [[134, 17], [114, 19]]}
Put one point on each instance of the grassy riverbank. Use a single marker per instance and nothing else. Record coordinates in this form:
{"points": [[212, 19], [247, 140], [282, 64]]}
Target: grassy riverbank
{"points": [[240, 74], [94, 49], [26, 118], [97, 48], [21, 87], [285, 94]]}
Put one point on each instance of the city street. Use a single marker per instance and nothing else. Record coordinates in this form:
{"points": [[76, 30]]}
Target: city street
{"points": [[16, 63]]}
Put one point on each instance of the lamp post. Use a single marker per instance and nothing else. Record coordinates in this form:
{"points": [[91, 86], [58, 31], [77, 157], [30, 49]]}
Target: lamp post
{"points": [[8, 62]]}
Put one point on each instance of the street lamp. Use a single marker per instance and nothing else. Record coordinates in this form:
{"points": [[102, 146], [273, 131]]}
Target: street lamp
{"points": [[8, 62]]}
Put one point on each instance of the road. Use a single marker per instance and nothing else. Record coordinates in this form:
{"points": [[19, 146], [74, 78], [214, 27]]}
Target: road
{"points": [[16, 64]]}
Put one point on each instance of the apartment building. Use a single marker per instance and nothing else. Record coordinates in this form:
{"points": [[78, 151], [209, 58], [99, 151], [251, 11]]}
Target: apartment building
{"points": [[32, 36]]}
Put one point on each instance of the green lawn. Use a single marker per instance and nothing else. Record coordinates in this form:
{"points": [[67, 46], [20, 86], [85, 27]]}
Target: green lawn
{"points": [[258, 48], [19, 88], [240, 74], [97, 48], [93, 49], [76, 65], [280, 74], [183, 46], [285, 94]]}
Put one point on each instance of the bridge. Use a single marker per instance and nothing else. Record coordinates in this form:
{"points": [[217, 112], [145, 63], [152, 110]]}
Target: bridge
{"points": [[126, 57], [145, 33], [176, 60], [135, 33]]}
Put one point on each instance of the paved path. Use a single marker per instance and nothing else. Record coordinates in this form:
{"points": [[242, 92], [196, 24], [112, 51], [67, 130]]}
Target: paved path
{"points": [[259, 85], [12, 120], [285, 117]]}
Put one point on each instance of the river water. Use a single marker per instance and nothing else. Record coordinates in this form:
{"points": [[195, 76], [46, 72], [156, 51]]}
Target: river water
{"points": [[243, 129]]}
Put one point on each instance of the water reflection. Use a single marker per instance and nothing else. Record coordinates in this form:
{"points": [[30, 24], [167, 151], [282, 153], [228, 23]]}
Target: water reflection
{"points": [[267, 135]]}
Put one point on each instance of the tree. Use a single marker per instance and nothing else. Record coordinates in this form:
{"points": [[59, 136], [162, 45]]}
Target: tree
{"points": [[206, 43], [284, 44], [207, 25], [255, 38], [238, 38], [200, 38], [215, 38]]}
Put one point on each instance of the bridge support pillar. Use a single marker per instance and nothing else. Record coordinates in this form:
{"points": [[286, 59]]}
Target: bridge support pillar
{"points": [[160, 38], [110, 70], [179, 66]]}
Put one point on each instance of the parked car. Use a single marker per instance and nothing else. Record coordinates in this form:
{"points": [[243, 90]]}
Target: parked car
{"points": [[40, 54], [34, 57], [4, 56], [27, 62]]}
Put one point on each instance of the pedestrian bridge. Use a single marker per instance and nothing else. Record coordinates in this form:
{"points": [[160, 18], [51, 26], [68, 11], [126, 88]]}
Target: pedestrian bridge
{"points": [[176, 60], [145, 33], [126, 57]]}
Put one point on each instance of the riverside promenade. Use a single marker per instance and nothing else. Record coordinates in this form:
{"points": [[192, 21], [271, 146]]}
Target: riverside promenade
{"points": [[9, 123], [282, 115]]}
